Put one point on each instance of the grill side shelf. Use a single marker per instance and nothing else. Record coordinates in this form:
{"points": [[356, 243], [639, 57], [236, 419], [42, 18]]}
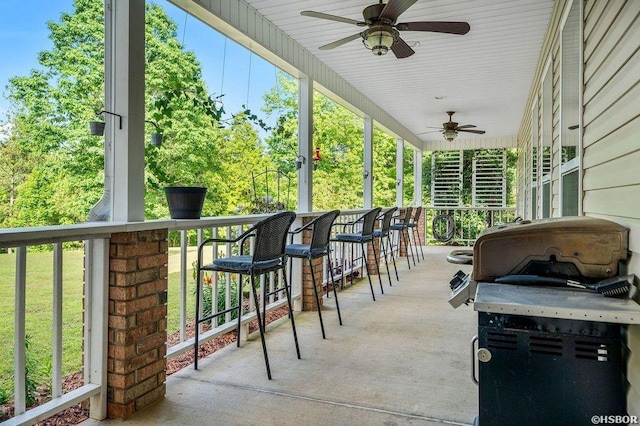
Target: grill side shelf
{"points": [[552, 302]]}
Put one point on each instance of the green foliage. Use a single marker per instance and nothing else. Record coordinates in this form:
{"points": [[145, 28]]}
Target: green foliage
{"points": [[338, 133], [39, 311], [49, 110], [208, 291], [14, 169], [512, 160], [337, 180], [384, 169], [31, 372], [408, 174], [467, 174], [50, 107], [5, 394]]}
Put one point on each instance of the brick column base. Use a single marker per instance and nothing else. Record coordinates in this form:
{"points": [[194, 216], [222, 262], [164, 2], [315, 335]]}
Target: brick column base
{"points": [[402, 237], [137, 321], [371, 261], [422, 227], [308, 297]]}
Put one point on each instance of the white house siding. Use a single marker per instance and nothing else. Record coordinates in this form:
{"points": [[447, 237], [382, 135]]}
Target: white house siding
{"points": [[611, 140], [610, 152], [555, 131]]}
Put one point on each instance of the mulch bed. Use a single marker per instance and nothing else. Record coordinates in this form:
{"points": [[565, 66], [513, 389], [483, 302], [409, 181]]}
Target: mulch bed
{"points": [[78, 413]]}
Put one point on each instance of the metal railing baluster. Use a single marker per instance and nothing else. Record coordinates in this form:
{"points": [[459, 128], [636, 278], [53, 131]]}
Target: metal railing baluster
{"points": [[56, 367]]}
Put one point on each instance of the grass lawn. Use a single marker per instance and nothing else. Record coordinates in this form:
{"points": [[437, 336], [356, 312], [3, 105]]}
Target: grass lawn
{"points": [[39, 311]]}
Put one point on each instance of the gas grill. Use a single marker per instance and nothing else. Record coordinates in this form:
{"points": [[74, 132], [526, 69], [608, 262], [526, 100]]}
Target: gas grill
{"points": [[581, 249], [550, 346]]}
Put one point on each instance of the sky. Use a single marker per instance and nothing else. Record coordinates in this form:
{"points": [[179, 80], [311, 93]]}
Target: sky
{"points": [[242, 77]]}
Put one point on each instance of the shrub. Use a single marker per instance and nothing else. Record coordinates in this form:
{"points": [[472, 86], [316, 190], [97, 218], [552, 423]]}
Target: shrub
{"points": [[31, 372], [4, 395], [207, 295]]}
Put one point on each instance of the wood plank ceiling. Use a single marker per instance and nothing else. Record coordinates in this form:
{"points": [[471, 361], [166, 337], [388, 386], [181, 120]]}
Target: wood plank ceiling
{"points": [[484, 76]]}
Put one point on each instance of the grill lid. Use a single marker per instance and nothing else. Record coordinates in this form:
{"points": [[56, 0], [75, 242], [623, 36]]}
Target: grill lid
{"points": [[576, 247]]}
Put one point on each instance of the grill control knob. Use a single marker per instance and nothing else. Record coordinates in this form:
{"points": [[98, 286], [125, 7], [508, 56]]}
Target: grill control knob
{"points": [[484, 355]]}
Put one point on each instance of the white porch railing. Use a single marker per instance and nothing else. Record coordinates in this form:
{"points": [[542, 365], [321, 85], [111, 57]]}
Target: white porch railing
{"points": [[347, 259], [462, 224], [344, 262], [96, 277], [224, 227], [96, 286]]}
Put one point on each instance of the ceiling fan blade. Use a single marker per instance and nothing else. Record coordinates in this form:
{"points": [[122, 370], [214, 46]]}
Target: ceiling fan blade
{"points": [[460, 28], [466, 126], [340, 42], [401, 49], [431, 131], [479, 132], [394, 8], [321, 15]]}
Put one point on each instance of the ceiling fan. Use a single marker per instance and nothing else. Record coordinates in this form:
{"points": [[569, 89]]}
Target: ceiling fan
{"points": [[450, 129], [382, 33]]}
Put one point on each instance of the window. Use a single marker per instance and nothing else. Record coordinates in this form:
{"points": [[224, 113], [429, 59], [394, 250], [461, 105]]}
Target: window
{"points": [[545, 157], [534, 162], [570, 193], [570, 112]]}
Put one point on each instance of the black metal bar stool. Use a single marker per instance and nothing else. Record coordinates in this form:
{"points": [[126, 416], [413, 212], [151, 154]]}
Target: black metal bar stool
{"points": [[414, 226], [319, 247], [270, 236], [383, 233], [402, 226], [364, 236]]}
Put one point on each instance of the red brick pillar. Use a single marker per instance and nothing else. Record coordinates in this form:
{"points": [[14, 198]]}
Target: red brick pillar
{"points": [[308, 297], [371, 246], [137, 321], [402, 236], [422, 227]]}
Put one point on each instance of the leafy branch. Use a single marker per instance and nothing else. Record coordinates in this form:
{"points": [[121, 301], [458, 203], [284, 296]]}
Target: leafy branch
{"points": [[178, 95]]}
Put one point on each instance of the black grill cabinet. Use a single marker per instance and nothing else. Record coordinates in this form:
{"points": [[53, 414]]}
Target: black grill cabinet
{"points": [[548, 371]]}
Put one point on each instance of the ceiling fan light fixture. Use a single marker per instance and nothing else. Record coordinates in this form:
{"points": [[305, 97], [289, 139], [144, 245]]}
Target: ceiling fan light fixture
{"points": [[449, 135], [378, 40]]}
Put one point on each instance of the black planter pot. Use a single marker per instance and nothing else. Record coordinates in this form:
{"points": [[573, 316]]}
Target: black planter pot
{"points": [[185, 202]]}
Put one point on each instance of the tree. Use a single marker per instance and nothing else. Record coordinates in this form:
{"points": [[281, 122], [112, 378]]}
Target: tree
{"points": [[337, 133], [242, 154], [338, 180], [51, 106], [14, 168]]}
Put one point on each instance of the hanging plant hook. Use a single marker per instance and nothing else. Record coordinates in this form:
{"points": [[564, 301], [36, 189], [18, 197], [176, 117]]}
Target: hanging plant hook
{"points": [[112, 113]]}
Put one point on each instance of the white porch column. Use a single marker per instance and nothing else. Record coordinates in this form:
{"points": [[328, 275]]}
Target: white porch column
{"points": [[367, 173], [399, 172], [417, 177], [305, 144], [124, 96], [96, 320]]}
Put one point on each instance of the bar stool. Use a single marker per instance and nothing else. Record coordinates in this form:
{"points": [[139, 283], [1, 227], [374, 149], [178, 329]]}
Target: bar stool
{"points": [[402, 226], [270, 236], [319, 247], [364, 236], [383, 233], [414, 225]]}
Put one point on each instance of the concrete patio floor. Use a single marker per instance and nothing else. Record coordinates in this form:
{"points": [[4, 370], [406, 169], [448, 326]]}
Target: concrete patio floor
{"points": [[401, 360]]}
